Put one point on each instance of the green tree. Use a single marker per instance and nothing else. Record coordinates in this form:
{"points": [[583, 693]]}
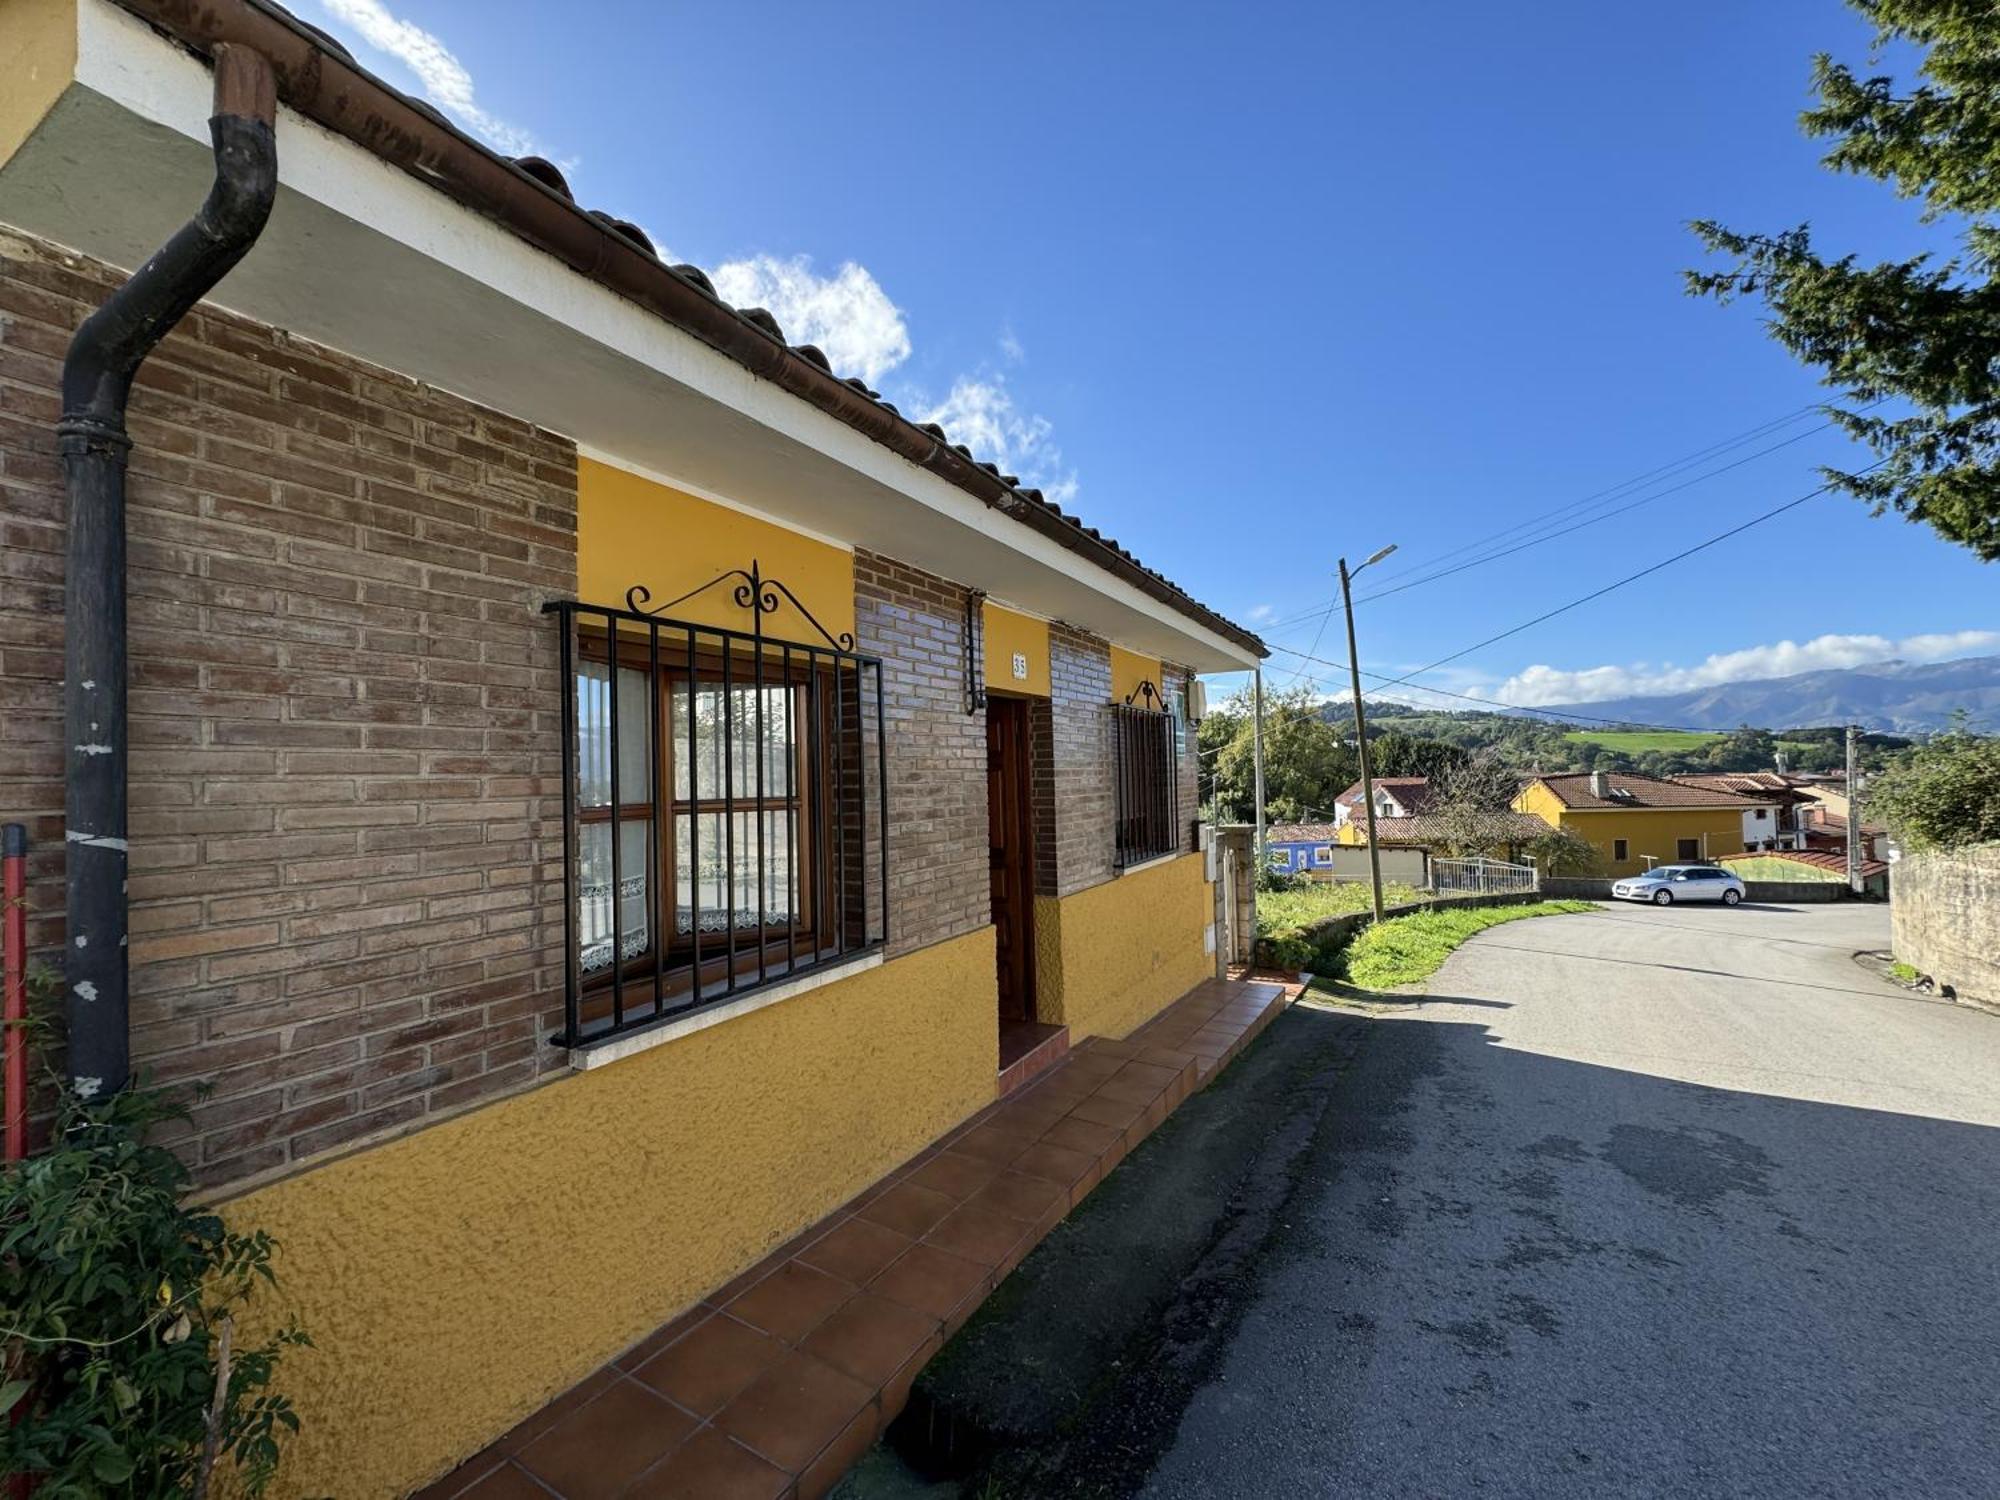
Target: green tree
{"points": [[1918, 333], [1306, 762], [1941, 795]]}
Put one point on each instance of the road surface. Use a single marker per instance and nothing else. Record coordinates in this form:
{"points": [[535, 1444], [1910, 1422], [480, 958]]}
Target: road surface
{"points": [[1639, 1202]]}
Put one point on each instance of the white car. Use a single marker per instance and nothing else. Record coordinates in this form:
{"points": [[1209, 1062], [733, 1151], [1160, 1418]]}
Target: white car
{"points": [[1670, 883]]}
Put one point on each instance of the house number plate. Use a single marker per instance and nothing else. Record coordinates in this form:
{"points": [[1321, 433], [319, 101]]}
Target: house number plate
{"points": [[1020, 666]]}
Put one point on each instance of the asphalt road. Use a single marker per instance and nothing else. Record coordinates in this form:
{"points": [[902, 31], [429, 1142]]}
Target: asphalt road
{"points": [[1639, 1202]]}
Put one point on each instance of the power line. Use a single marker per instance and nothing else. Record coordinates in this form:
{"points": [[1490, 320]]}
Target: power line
{"points": [[1578, 506], [1701, 546], [1580, 524]]}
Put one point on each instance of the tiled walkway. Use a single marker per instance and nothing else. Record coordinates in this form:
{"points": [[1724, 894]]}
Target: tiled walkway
{"points": [[781, 1380]]}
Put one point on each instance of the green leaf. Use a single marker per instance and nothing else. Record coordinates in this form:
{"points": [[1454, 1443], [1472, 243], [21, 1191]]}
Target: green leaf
{"points": [[112, 1465], [12, 1392]]}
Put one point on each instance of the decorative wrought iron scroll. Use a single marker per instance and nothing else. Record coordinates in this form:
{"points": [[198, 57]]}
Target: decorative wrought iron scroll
{"points": [[1152, 695], [753, 592], [975, 650]]}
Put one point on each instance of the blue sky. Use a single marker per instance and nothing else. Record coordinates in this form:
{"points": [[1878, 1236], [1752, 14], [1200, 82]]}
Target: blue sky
{"points": [[1251, 287]]}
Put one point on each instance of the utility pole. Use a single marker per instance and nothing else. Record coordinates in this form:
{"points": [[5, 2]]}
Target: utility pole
{"points": [[1854, 883], [1361, 725], [1257, 763]]}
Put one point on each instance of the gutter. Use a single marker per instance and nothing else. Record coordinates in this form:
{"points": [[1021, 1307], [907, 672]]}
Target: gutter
{"points": [[325, 86], [103, 358]]}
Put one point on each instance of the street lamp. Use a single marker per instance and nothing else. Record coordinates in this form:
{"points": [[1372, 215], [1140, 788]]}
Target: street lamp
{"points": [[1361, 722]]}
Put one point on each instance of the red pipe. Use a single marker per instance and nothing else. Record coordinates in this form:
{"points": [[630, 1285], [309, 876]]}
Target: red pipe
{"points": [[14, 939], [14, 947]]}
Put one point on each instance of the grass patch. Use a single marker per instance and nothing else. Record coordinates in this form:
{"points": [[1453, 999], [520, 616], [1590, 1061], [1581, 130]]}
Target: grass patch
{"points": [[1406, 949], [1285, 918], [1281, 912], [1904, 973]]}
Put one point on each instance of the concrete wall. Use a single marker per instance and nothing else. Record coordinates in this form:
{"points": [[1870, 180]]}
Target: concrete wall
{"points": [[1946, 909]]}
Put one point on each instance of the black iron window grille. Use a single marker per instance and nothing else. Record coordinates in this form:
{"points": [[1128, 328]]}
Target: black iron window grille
{"points": [[1145, 750], [725, 801]]}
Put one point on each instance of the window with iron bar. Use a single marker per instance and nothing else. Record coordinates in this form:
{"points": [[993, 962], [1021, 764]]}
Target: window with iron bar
{"points": [[724, 814], [1145, 750]]}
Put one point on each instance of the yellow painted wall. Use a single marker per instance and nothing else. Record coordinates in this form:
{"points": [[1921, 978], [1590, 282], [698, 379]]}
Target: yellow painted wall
{"points": [[1109, 958], [1128, 670], [37, 62], [1007, 632], [1646, 830], [456, 1279], [631, 530]]}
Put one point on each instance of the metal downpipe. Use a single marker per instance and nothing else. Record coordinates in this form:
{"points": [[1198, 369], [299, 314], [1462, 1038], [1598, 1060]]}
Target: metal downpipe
{"points": [[103, 359]]}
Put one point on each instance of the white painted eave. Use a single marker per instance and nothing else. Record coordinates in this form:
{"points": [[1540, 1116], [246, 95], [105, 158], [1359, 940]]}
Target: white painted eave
{"points": [[366, 259]]}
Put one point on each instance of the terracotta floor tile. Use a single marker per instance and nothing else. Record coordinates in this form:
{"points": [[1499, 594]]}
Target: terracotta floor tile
{"points": [[1082, 1135], [995, 1143], [909, 1209], [529, 1428], [791, 1301], [710, 1364], [1063, 1165], [1020, 1196], [462, 1478], [842, 1454], [711, 1465], [506, 1483], [1131, 1091], [1149, 1073], [979, 1235], [794, 1409], [598, 1449], [1101, 1111], [871, 1338], [662, 1336], [955, 1174], [856, 1251], [931, 1280]]}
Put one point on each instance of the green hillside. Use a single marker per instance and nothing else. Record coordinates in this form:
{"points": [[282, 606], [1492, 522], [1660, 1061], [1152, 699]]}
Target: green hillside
{"points": [[1632, 741]]}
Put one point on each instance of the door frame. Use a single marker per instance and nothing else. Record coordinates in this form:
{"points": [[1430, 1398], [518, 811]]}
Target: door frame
{"points": [[1019, 845]]}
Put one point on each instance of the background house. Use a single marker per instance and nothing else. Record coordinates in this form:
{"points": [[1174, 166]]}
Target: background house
{"points": [[1636, 822]]}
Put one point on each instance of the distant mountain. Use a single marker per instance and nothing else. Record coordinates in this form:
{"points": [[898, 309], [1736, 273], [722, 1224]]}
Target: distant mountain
{"points": [[1892, 696]]}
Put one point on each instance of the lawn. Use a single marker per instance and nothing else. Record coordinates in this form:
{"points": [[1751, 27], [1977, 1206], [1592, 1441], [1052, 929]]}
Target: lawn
{"points": [[1280, 913], [1406, 949]]}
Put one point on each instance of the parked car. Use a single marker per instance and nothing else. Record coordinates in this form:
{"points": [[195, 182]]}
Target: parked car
{"points": [[1670, 883]]}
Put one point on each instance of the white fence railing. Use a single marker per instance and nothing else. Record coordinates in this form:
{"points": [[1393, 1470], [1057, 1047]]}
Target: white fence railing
{"points": [[1480, 877]]}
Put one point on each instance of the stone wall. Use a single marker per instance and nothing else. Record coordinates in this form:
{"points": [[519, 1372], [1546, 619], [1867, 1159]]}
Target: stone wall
{"points": [[1945, 906], [345, 720]]}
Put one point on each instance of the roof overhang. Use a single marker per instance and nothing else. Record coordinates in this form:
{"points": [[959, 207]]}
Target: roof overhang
{"points": [[369, 259]]}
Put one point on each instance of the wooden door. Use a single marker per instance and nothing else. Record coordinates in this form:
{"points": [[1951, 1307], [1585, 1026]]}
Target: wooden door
{"points": [[1011, 850]]}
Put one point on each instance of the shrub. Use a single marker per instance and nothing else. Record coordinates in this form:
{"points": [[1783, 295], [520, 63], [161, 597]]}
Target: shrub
{"points": [[119, 1301], [1942, 795]]}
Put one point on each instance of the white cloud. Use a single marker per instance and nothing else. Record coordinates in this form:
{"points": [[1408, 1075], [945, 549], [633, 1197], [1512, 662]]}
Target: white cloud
{"points": [[1538, 685], [981, 413], [1010, 347], [847, 314], [443, 77], [1260, 614]]}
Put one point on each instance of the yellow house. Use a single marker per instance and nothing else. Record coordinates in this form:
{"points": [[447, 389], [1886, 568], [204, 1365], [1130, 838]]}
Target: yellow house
{"points": [[605, 791], [1637, 822]]}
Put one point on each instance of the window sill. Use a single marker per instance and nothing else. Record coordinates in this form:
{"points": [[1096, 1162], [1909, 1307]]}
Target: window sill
{"points": [[1151, 864], [593, 1055]]}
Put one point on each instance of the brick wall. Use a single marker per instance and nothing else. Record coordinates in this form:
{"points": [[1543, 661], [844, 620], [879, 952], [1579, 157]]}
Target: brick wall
{"points": [[939, 883], [345, 720], [1075, 824]]}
